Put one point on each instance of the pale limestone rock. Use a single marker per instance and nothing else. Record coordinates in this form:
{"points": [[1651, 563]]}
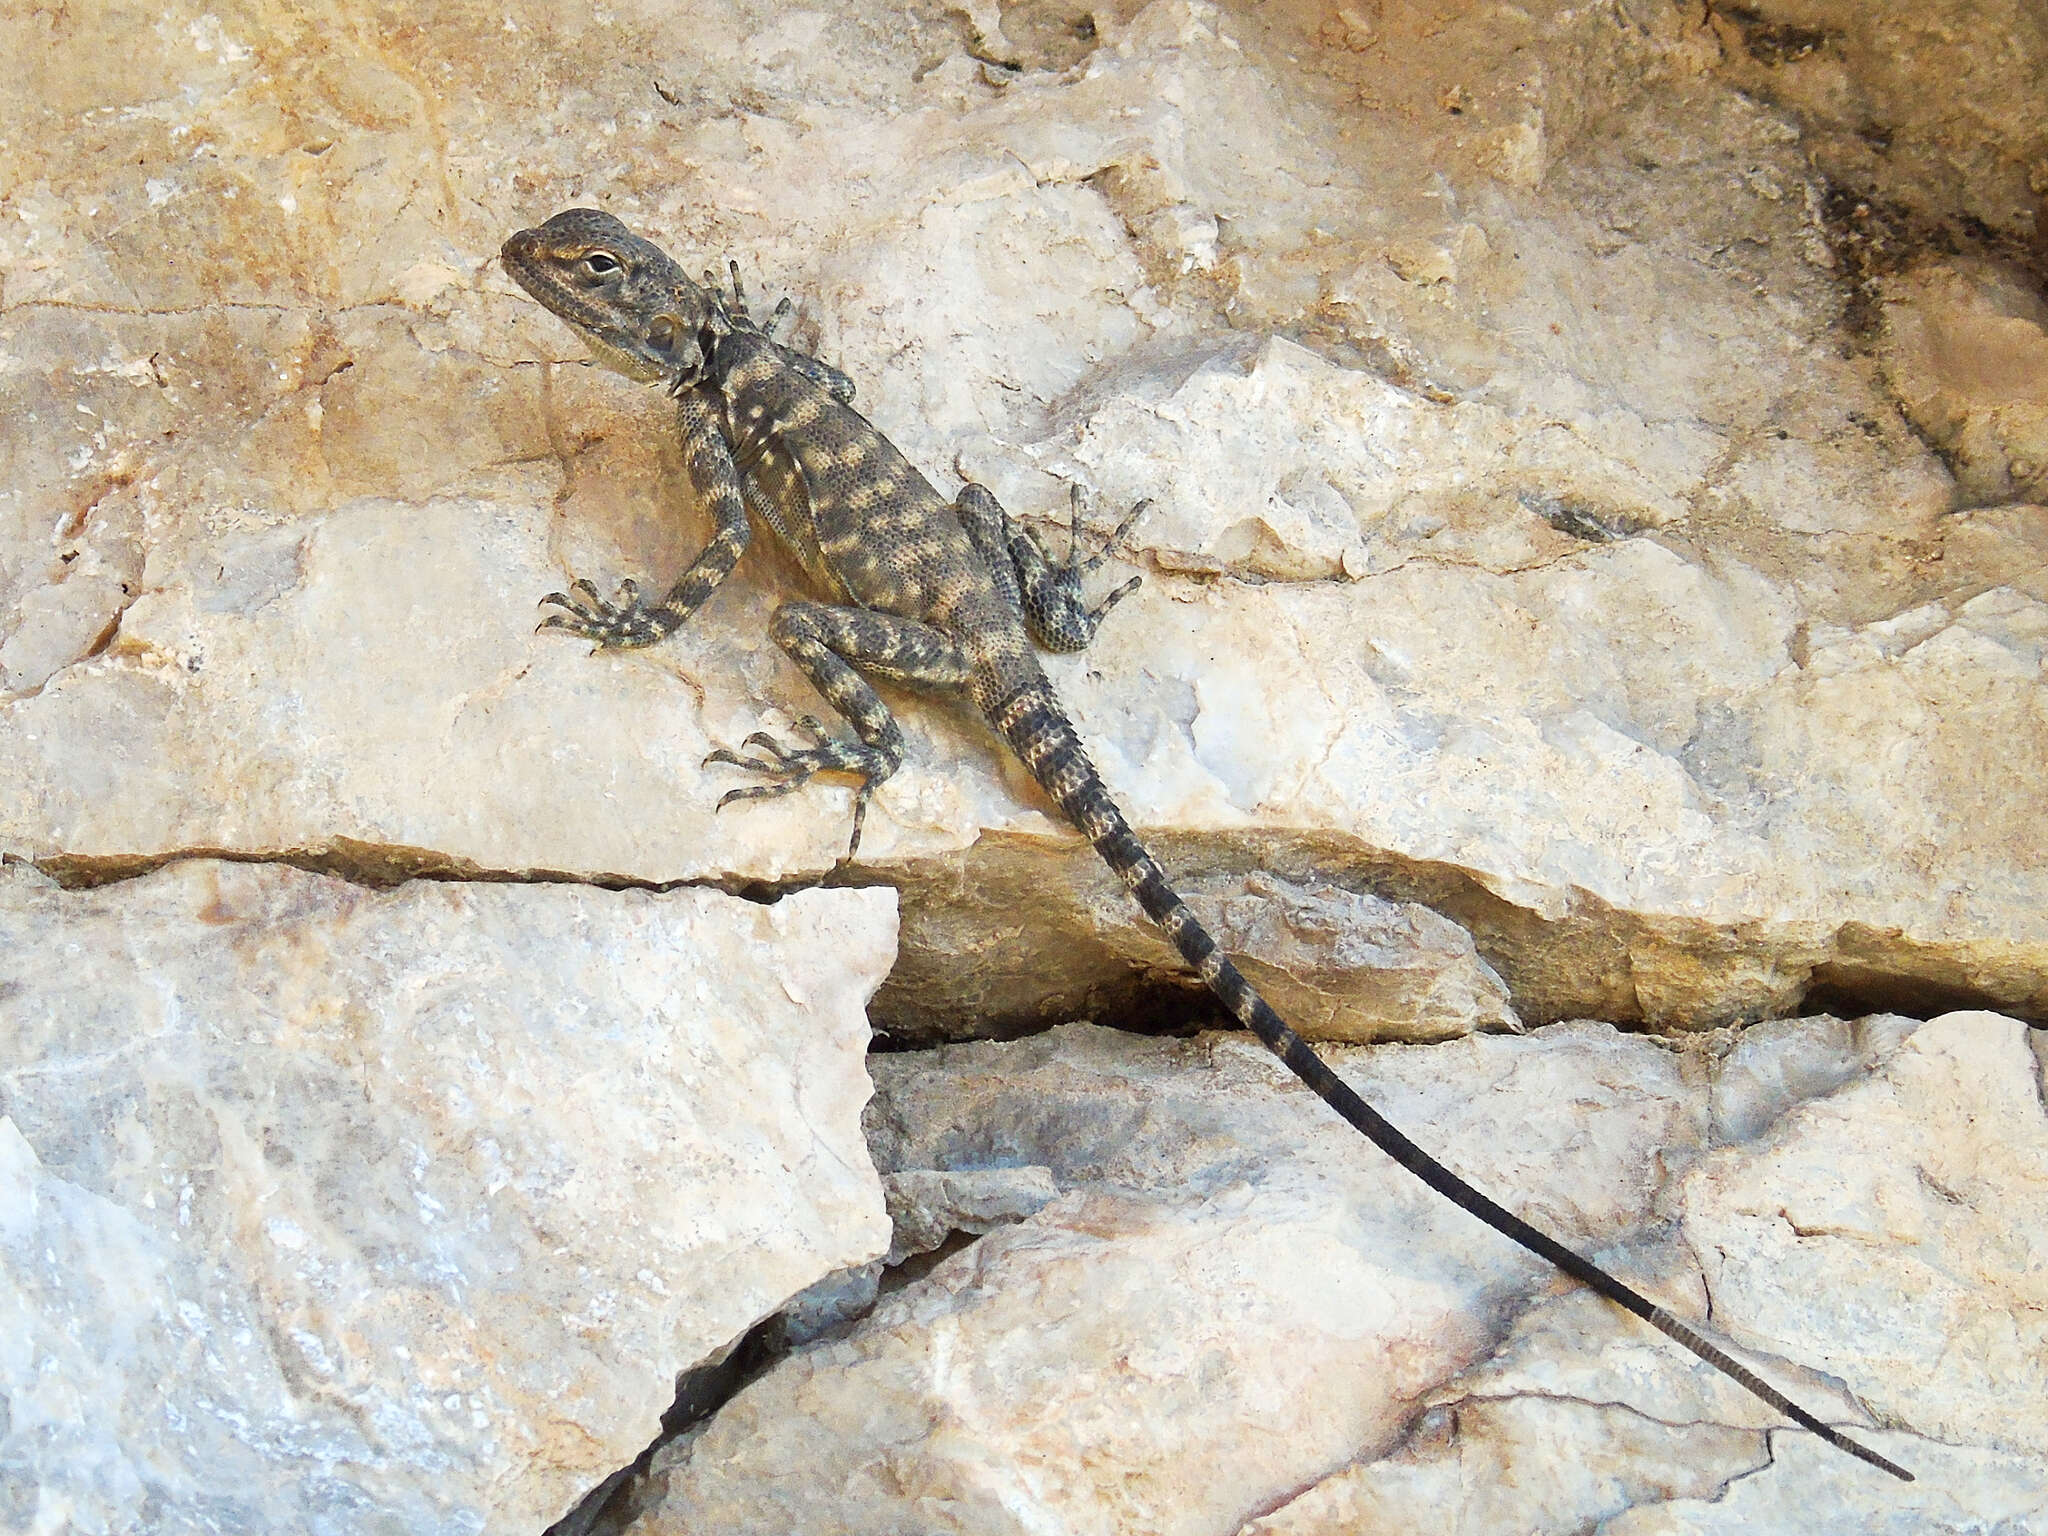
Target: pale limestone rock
{"points": [[1525, 542], [1547, 1466], [1918, 1197], [1338, 964], [1232, 1296], [1885, 1233], [1966, 348], [1519, 1467], [329, 1210], [1231, 1285], [1073, 1375], [927, 1206], [1534, 537], [1770, 1067]]}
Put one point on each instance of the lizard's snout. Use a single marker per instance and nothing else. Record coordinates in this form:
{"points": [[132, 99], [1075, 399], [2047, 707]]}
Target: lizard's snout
{"points": [[520, 247]]}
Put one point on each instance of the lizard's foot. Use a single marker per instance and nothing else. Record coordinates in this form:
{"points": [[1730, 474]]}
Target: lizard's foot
{"points": [[782, 321], [627, 622], [788, 768], [1076, 567], [1050, 593]]}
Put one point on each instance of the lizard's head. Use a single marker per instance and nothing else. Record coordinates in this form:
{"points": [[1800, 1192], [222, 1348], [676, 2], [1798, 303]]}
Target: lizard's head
{"points": [[629, 302]]}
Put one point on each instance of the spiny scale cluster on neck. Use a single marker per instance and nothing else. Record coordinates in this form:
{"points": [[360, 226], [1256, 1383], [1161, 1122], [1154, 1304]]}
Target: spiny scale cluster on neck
{"points": [[943, 595]]}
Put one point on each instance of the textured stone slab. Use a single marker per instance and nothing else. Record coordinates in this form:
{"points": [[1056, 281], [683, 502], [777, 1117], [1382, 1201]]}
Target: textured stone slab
{"points": [[1888, 1233], [1534, 535], [1231, 1295], [336, 1211], [1966, 347], [1237, 1318], [1952, 81]]}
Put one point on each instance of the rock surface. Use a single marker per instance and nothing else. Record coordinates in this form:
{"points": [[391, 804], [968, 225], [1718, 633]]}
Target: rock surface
{"points": [[1598, 567], [328, 1211], [1921, 110], [1887, 1233], [1966, 349], [1534, 536], [1232, 1316]]}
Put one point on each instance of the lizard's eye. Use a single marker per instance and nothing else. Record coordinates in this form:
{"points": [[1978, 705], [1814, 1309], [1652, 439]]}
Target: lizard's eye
{"points": [[601, 264]]}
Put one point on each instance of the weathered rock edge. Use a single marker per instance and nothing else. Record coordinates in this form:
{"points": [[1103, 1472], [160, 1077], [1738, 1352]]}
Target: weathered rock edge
{"points": [[396, 1212], [1229, 1315]]}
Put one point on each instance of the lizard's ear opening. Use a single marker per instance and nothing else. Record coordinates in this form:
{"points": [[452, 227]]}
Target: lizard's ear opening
{"points": [[667, 337]]}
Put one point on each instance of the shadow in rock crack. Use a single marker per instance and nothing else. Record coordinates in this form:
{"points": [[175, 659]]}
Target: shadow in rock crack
{"points": [[1848, 992], [377, 866], [614, 1504], [828, 1307]]}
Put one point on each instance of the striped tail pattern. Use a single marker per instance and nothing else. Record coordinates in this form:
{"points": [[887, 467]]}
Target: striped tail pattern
{"points": [[1032, 722]]}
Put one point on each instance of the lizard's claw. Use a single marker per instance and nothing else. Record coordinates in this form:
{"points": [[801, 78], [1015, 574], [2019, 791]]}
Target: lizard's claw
{"points": [[767, 744], [1076, 567], [783, 769], [625, 623], [1109, 545]]}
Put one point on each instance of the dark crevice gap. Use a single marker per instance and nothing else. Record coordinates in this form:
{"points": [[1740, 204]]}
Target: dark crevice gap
{"points": [[610, 1507], [1854, 991], [380, 867], [918, 1265], [1580, 964], [1163, 1006], [385, 866], [1154, 1007]]}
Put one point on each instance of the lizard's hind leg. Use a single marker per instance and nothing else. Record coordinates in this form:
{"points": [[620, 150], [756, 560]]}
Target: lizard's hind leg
{"points": [[834, 646], [1048, 594]]}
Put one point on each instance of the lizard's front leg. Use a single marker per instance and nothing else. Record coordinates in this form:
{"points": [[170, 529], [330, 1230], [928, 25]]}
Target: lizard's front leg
{"points": [[832, 380], [629, 621], [1047, 594], [834, 646]]}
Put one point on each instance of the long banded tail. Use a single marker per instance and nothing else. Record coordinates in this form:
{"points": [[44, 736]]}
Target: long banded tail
{"points": [[1036, 728]]}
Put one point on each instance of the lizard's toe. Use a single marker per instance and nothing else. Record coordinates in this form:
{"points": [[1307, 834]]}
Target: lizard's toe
{"points": [[760, 791], [1095, 614], [786, 768], [767, 744]]}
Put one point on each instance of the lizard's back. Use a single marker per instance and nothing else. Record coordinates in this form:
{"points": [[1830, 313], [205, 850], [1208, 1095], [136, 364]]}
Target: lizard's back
{"points": [[859, 516]]}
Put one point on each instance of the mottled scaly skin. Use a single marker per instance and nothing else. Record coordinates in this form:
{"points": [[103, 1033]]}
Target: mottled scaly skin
{"points": [[947, 596]]}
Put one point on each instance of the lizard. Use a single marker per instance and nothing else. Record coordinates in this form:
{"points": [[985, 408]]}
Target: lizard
{"points": [[938, 596]]}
